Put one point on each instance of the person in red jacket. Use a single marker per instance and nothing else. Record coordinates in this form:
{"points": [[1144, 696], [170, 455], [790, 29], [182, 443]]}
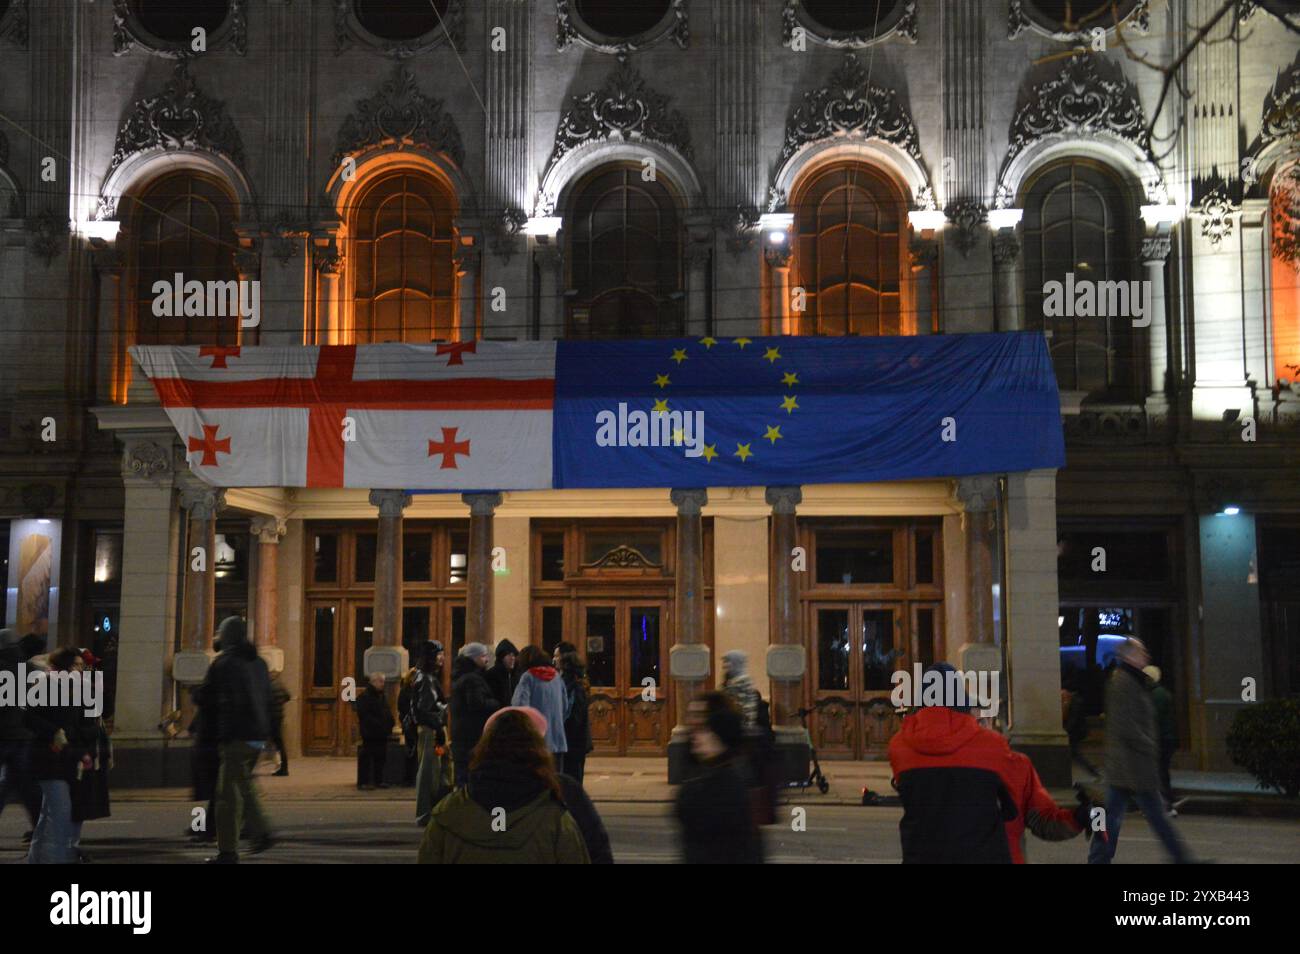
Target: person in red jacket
{"points": [[949, 772], [1035, 808]]}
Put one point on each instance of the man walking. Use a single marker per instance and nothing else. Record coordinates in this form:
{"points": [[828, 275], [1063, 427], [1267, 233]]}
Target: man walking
{"points": [[237, 695], [1132, 757]]}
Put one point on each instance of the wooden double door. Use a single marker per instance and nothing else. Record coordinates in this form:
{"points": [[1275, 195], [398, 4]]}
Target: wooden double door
{"points": [[338, 633], [624, 644], [856, 648]]}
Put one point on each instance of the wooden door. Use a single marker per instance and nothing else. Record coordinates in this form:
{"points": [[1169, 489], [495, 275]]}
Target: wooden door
{"points": [[624, 644], [322, 680], [856, 649]]}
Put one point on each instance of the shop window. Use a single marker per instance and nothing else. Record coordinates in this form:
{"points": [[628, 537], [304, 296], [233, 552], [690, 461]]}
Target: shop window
{"points": [[855, 556]]}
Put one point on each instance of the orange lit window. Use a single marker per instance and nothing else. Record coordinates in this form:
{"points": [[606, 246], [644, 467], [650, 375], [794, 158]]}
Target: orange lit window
{"points": [[1286, 275]]}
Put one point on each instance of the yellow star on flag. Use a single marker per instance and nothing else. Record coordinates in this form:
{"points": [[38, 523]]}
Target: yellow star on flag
{"points": [[679, 437], [661, 404], [662, 380], [772, 355], [789, 404], [743, 341], [710, 452], [679, 355], [743, 452], [708, 342], [773, 433], [789, 378]]}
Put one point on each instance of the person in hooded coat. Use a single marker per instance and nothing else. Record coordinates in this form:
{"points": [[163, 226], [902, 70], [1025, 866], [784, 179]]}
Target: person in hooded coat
{"points": [[714, 807], [503, 677], [472, 701], [16, 739], [541, 688], [947, 769], [511, 773], [236, 696], [577, 700]]}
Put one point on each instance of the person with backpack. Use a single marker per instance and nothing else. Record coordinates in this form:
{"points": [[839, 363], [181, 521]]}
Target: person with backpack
{"points": [[577, 722], [428, 714], [512, 811]]}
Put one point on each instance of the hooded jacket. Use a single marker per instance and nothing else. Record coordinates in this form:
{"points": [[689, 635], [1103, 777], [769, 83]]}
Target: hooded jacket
{"points": [[542, 689], [537, 828], [472, 701], [236, 694], [374, 718], [948, 771], [502, 680]]}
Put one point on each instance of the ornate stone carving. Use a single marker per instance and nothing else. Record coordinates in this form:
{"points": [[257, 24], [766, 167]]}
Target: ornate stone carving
{"points": [[850, 106], [922, 251], [287, 234], [482, 505], [977, 494], [1006, 249], [968, 217], [399, 113], [741, 228], [180, 117], [128, 30], [505, 236], [391, 503], [624, 108], [904, 25], [1216, 210], [1107, 425], [268, 528], [201, 501], [1285, 216], [622, 557], [568, 30], [348, 31], [49, 232], [689, 501], [1079, 102], [146, 459], [1281, 116], [1136, 17], [13, 25], [783, 499], [778, 256], [1155, 248], [329, 261]]}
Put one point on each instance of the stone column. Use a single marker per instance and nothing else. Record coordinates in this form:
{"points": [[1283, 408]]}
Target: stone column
{"points": [[329, 308], [778, 259], [1008, 301], [388, 566], [467, 318], [979, 498], [550, 292], [268, 531], [201, 502], [1155, 249], [248, 266], [924, 253], [787, 657], [689, 658], [698, 255], [478, 574], [109, 263]]}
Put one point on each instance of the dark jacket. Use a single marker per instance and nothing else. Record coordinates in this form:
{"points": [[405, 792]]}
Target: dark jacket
{"points": [[715, 813], [426, 701], [13, 724], [472, 701], [948, 771], [1166, 723], [537, 828], [236, 694], [588, 820], [374, 718], [1132, 748], [501, 679], [279, 696], [90, 798], [45, 722], [577, 720]]}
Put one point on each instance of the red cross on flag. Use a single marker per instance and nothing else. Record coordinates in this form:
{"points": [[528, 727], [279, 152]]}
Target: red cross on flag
{"points": [[455, 417]]}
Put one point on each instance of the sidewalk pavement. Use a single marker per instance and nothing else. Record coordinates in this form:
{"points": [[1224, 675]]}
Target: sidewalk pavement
{"points": [[612, 779]]}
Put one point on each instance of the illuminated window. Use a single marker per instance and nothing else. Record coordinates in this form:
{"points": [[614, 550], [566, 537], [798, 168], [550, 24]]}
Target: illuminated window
{"points": [[1285, 216], [625, 255], [184, 224], [848, 252], [401, 259], [1077, 234]]}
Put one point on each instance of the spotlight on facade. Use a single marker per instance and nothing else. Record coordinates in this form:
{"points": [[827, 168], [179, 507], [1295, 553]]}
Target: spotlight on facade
{"points": [[926, 220], [103, 231], [1004, 218], [1157, 215], [776, 238], [1229, 510], [776, 225], [544, 226]]}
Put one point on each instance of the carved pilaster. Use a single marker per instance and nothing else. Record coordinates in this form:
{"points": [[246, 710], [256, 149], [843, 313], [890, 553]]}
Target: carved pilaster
{"points": [[506, 95], [201, 501], [1006, 249]]}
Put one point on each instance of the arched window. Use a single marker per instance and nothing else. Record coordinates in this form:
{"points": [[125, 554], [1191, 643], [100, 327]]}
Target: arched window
{"points": [[625, 257], [182, 224], [1285, 218], [403, 279], [848, 253], [1077, 233]]}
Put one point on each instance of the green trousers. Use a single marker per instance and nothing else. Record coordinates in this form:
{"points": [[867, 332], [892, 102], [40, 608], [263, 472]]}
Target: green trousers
{"points": [[433, 778], [236, 796]]}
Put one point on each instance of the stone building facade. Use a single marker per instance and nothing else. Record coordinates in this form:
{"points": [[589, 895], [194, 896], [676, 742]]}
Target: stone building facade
{"points": [[533, 169]]}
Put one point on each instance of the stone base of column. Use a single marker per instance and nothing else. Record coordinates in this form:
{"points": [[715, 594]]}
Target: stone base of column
{"points": [[681, 767], [1050, 753], [792, 752], [152, 763], [1157, 409]]}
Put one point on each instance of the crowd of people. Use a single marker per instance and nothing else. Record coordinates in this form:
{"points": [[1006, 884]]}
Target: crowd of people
{"points": [[498, 763]]}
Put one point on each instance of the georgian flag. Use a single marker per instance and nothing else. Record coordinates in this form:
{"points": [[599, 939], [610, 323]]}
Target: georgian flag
{"points": [[471, 415]]}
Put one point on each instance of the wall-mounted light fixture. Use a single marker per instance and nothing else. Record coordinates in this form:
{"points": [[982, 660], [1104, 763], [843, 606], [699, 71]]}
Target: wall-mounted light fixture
{"points": [[1005, 218], [1155, 216], [926, 220], [99, 229], [543, 226]]}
